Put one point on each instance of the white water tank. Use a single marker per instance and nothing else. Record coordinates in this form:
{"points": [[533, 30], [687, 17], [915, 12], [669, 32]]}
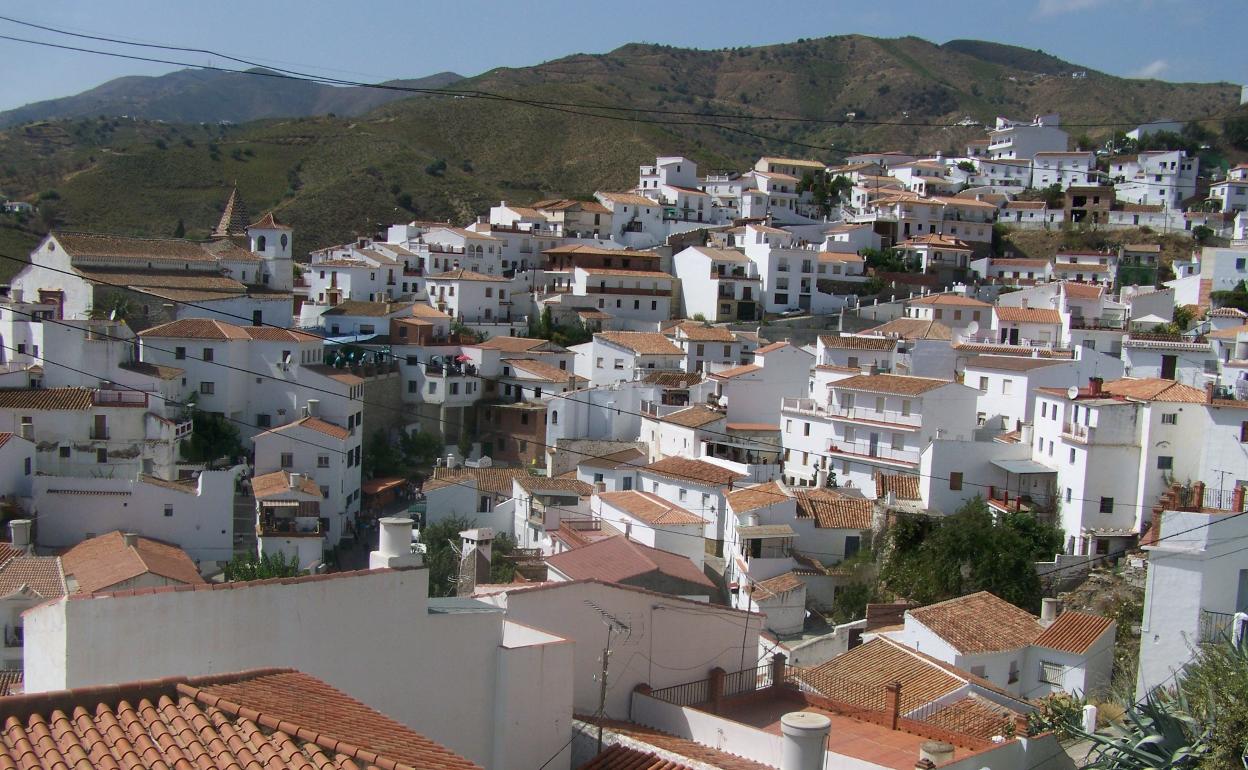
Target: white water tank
{"points": [[805, 740], [394, 545]]}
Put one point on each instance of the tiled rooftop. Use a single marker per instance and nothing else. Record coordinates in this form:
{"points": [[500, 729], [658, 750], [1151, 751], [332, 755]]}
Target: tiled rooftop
{"points": [[979, 623], [697, 471], [105, 561]]}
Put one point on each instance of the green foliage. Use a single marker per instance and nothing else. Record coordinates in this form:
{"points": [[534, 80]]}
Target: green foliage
{"points": [[251, 567], [420, 447], [1202, 233], [890, 261], [1235, 131], [180, 230], [212, 438], [440, 557], [1158, 733], [967, 166], [1058, 712], [112, 304], [502, 569], [1215, 685], [436, 168], [561, 334], [1183, 317], [934, 559], [1236, 298], [381, 457]]}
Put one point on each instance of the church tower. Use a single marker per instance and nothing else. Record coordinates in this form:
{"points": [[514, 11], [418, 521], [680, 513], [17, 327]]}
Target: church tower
{"points": [[271, 241], [234, 219]]}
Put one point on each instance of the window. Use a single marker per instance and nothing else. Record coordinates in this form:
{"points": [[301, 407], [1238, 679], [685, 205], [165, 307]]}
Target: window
{"points": [[1165, 463], [1052, 673], [852, 363], [263, 420], [983, 384], [905, 408], [64, 452], [168, 510], [1068, 494], [805, 429], [682, 495], [322, 461], [955, 480], [101, 456], [1013, 671], [207, 388], [898, 442], [207, 356], [1171, 418], [1243, 432], [433, 387], [598, 363], [978, 671], [788, 426], [628, 483], [179, 353], [879, 403], [1072, 454], [287, 460], [619, 363], [1107, 505], [554, 418], [26, 463], [1006, 387]]}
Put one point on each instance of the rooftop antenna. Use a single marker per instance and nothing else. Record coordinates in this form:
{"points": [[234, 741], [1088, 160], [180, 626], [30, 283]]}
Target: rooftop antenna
{"points": [[613, 624]]}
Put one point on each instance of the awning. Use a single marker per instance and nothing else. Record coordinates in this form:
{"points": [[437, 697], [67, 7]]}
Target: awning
{"points": [[1022, 466], [765, 530]]}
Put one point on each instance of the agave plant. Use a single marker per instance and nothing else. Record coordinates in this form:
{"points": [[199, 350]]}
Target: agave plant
{"points": [[1157, 733]]}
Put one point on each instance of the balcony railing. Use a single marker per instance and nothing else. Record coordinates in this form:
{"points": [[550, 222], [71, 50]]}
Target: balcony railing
{"points": [[1079, 322], [1215, 626], [890, 416], [99, 434], [802, 405], [878, 451], [1076, 432]]}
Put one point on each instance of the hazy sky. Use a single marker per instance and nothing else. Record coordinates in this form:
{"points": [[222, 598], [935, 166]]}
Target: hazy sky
{"points": [[1180, 40]]}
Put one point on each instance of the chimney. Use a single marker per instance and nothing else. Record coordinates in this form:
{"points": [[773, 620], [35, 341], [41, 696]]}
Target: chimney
{"points": [[805, 739], [15, 294], [1208, 392], [130, 539], [1094, 386], [394, 545], [938, 753], [303, 411], [295, 480], [19, 534], [1049, 610], [314, 407]]}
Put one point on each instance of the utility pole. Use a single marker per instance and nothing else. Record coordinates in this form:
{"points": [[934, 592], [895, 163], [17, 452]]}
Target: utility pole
{"points": [[602, 686]]}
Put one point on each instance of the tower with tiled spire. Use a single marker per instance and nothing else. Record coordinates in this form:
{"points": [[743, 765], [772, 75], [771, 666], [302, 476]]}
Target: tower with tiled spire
{"points": [[234, 219]]}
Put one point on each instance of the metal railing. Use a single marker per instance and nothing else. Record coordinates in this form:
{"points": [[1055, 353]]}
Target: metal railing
{"points": [[687, 694], [1215, 626], [748, 680]]}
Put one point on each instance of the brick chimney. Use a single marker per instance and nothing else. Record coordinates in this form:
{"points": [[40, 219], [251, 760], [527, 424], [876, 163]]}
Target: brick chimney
{"points": [[1208, 392], [1094, 386]]}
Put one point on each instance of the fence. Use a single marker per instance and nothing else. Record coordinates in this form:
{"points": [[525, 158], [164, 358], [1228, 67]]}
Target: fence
{"points": [[687, 694]]}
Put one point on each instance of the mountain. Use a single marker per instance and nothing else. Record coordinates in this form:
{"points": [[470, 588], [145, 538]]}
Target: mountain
{"points": [[451, 157], [195, 96]]}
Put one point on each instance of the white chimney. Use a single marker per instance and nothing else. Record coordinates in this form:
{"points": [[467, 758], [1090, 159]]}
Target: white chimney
{"points": [[1049, 610], [15, 294], [295, 480], [805, 740], [938, 753], [19, 533], [131, 539], [394, 545], [314, 407], [481, 539]]}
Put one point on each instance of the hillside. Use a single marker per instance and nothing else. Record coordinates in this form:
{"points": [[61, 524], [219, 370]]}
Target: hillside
{"points": [[440, 157], [195, 96]]}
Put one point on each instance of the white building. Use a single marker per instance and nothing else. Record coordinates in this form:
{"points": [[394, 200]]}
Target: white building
{"points": [[1231, 193], [1164, 177], [1021, 141], [1065, 169], [717, 284], [615, 356]]}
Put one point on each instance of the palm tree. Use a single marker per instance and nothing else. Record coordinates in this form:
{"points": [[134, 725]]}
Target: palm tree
{"points": [[114, 307]]}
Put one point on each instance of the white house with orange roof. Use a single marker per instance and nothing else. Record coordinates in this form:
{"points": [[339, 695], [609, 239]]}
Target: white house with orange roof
{"points": [[934, 252], [291, 518], [717, 284], [636, 220], [866, 424], [751, 393], [1014, 271], [635, 299], [653, 521], [621, 355], [470, 296], [1231, 193], [1035, 327], [697, 485], [1065, 169], [680, 432], [1115, 446], [707, 345], [869, 355], [1086, 267], [963, 315]]}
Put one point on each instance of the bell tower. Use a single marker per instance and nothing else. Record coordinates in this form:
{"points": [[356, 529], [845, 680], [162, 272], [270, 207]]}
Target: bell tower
{"points": [[272, 241]]}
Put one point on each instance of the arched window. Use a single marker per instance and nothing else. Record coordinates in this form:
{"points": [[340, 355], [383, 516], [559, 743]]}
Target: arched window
{"points": [[261, 242], [285, 240], [554, 418]]}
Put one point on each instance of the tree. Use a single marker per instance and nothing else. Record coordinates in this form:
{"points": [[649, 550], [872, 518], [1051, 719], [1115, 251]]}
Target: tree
{"points": [[180, 230], [113, 305], [420, 447], [1202, 233], [1235, 130], [1183, 317], [967, 166], [440, 541], [932, 560], [251, 567], [381, 457], [212, 437]]}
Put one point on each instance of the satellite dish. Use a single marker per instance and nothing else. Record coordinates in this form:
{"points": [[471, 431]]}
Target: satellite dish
{"points": [[972, 328], [112, 314], [1072, 392]]}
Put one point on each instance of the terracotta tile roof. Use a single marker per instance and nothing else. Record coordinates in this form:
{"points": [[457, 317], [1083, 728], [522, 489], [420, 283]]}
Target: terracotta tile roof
{"points": [[698, 754], [628, 199], [697, 471], [1038, 315], [832, 510], [1015, 351], [979, 623], [271, 717], [46, 398], [196, 329], [904, 485], [495, 480], [1229, 333], [621, 459], [623, 273], [541, 485], [513, 344], [765, 349], [911, 329], [1153, 389], [973, 715], [540, 370], [644, 343], [956, 300], [894, 384], [619, 559], [939, 241], [316, 424], [368, 309], [278, 482], [850, 342], [737, 371], [79, 245], [42, 574], [7, 551], [1074, 632], [461, 274], [154, 370], [1007, 263], [696, 416], [1226, 312], [875, 664], [166, 279], [1082, 290], [703, 333], [722, 255], [233, 221], [621, 757], [649, 508], [775, 587], [672, 380], [268, 222], [102, 562], [1025, 205], [752, 427]]}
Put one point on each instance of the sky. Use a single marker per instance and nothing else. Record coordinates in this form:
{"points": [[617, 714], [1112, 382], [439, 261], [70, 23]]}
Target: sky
{"points": [[1176, 40]]}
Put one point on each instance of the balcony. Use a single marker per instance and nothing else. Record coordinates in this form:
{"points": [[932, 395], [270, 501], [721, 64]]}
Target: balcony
{"points": [[183, 429], [1073, 431], [866, 450], [99, 434], [289, 526], [14, 636], [1215, 626], [119, 398], [808, 406], [888, 417], [1112, 323]]}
